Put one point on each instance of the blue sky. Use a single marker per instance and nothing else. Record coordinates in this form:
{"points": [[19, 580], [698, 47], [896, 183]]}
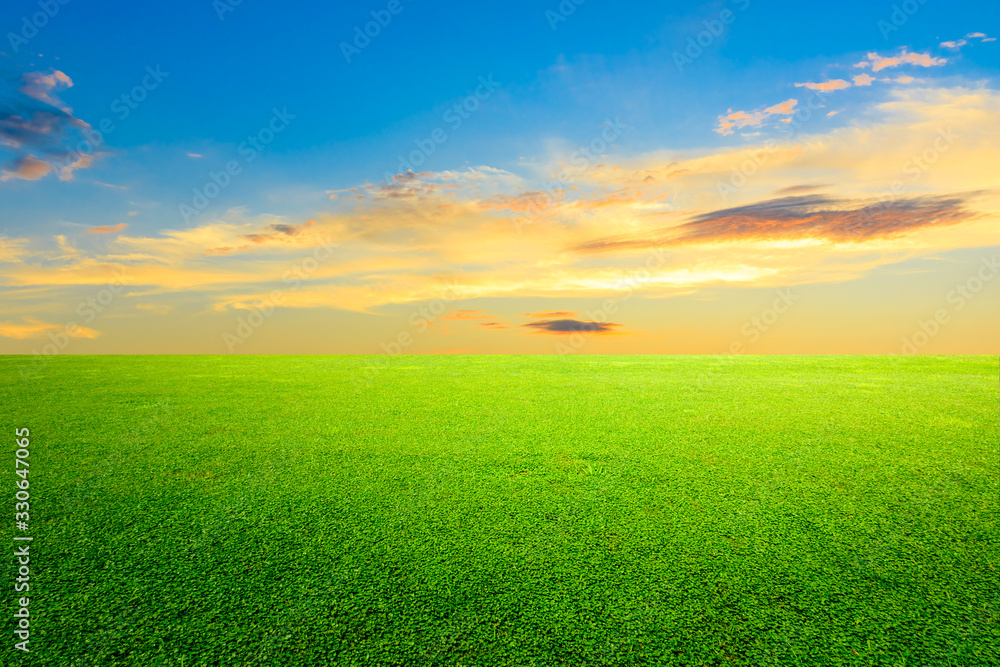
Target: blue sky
{"points": [[563, 72]]}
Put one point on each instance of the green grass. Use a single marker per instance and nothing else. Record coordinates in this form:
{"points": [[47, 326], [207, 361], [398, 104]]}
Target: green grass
{"points": [[492, 511]]}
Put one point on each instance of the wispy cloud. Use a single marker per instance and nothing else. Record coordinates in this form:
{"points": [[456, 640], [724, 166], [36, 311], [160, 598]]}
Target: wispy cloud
{"points": [[468, 315], [108, 229], [879, 63], [568, 326], [735, 120], [807, 217], [279, 232], [825, 86], [32, 328], [980, 36], [548, 314]]}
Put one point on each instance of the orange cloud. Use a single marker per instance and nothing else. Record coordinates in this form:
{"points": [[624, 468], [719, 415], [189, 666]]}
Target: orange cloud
{"points": [[36, 329], [279, 231], [467, 315], [108, 229], [532, 201], [28, 168], [41, 85], [549, 314], [878, 62], [825, 86], [863, 80], [809, 217], [740, 119]]}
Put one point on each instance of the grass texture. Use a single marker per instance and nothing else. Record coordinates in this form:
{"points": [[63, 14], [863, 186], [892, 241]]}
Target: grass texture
{"points": [[507, 510]]}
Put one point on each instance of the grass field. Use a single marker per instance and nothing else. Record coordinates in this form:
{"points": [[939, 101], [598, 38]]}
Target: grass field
{"points": [[569, 510]]}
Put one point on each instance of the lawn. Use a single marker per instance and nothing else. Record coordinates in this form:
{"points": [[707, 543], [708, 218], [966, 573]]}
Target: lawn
{"points": [[508, 510]]}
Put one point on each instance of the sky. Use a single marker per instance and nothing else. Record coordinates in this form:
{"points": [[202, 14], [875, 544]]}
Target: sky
{"points": [[575, 177]]}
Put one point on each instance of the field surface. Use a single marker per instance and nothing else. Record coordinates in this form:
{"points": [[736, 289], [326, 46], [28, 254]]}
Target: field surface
{"points": [[566, 510]]}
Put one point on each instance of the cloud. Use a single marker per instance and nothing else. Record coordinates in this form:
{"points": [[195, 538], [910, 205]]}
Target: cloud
{"points": [[279, 232], [27, 168], [806, 217], [548, 314], [156, 308], [796, 189], [959, 43], [232, 234], [496, 325], [425, 184], [826, 218], [107, 229], [37, 329], [572, 326], [467, 315], [532, 201], [879, 63], [41, 86], [37, 127], [863, 80], [734, 120], [825, 86], [11, 250], [394, 251]]}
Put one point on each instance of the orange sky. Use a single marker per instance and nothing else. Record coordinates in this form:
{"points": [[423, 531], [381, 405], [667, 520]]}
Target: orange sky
{"points": [[875, 236]]}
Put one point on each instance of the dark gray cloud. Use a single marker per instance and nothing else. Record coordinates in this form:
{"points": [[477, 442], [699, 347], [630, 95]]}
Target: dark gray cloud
{"points": [[572, 326], [279, 231], [801, 217]]}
